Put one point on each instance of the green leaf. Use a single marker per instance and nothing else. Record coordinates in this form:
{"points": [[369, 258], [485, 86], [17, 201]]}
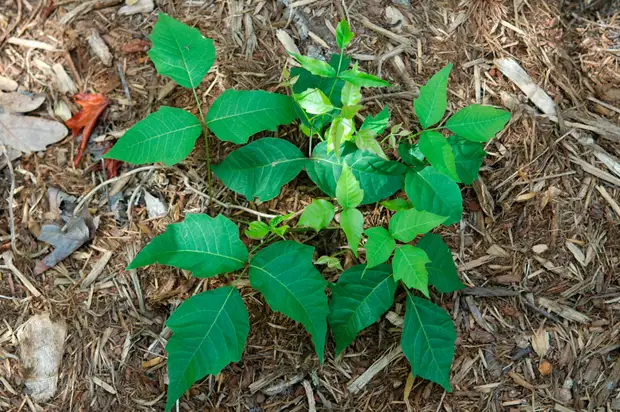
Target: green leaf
{"points": [[441, 271], [408, 224], [260, 169], [379, 246], [478, 123], [193, 245], [410, 266], [317, 214], [314, 66], [339, 131], [435, 192], [377, 124], [237, 115], [351, 94], [314, 101], [439, 153], [361, 296], [306, 80], [257, 230], [362, 79], [428, 340], [284, 274], [330, 261], [348, 192], [166, 136], [396, 205], [432, 103], [365, 140], [352, 223], [349, 112], [180, 52], [273, 223], [209, 331], [411, 155], [379, 178], [343, 34], [468, 157]]}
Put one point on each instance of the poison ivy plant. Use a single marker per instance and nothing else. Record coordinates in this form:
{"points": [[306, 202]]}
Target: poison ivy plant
{"points": [[352, 163]]}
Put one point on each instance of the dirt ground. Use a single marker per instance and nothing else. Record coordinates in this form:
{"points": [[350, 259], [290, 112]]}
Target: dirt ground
{"points": [[538, 245]]}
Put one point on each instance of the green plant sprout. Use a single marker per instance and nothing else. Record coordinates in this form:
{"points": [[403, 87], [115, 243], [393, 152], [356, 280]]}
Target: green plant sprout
{"points": [[349, 165]]}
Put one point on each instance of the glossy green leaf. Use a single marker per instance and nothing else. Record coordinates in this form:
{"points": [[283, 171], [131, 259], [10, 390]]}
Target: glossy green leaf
{"points": [[379, 178], [441, 271], [410, 266], [339, 131], [428, 340], [209, 331], [204, 245], [317, 214], [407, 224], [260, 169], [468, 157], [366, 140], [362, 79], [436, 193], [237, 115], [348, 191], [396, 205], [349, 112], [378, 123], [439, 153], [478, 123], [315, 66], [180, 52], [361, 296], [257, 230], [314, 101], [379, 246], [343, 34], [166, 136], [431, 105], [284, 274], [351, 94], [411, 155], [352, 223]]}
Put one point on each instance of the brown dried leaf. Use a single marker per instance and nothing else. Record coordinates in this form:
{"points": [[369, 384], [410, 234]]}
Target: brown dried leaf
{"points": [[20, 102], [29, 134], [540, 342]]}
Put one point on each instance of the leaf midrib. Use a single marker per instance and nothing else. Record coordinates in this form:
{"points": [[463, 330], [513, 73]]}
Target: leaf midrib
{"points": [[428, 342], [372, 292]]}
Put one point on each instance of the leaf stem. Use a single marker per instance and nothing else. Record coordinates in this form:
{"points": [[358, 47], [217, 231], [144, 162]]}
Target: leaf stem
{"points": [[205, 132]]}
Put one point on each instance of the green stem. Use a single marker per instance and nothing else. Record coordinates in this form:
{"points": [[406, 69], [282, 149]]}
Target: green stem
{"points": [[337, 73], [205, 132]]}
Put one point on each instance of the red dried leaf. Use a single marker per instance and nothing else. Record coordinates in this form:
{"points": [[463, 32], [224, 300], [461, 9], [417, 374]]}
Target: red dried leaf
{"points": [[92, 107], [111, 166]]}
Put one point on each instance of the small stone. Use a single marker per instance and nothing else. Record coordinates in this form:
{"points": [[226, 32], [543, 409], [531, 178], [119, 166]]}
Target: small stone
{"points": [[7, 84], [538, 249]]}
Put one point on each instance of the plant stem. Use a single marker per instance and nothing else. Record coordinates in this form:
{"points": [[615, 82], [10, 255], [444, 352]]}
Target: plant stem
{"points": [[205, 132]]}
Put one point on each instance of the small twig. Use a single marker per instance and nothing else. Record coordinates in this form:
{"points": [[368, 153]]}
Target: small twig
{"points": [[125, 87], [310, 396], [8, 259]]}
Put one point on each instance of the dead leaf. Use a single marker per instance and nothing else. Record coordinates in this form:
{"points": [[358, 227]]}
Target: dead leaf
{"points": [[155, 208], [408, 387], [545, 368], [93, 106], [540, 342], [28, 133], [21, 102], [577, 253], [485, 199]]}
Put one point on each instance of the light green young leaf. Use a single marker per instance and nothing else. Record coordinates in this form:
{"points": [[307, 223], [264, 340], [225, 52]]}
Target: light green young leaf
{"points": [[284, 274], [435, 192], [379, 246], [237, 115], [273, 223], [317, 214], [396, 205], [330, 261], [428, 340], [339, 131], [348, 191], [260, 169], [343, 34], [362, 79], [441, 271], [378, 123], [257, 230], [314, 101], [478, 123], [365, 140], [379, 178], [411, 155], [352, 223], [180, 52], [209, 331], [361, 296], [190, 245], [351, 94], [468, 157], [432, 103], [166, 136], [349, 112], [408, 224], [410, 266], [439, 153], [314, 66]]}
